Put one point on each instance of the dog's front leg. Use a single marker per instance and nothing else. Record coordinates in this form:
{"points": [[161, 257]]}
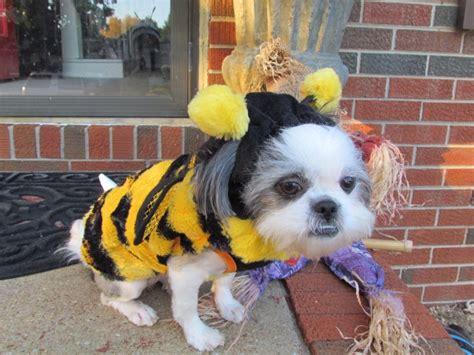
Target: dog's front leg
{"points": [[229, 308], [186, 274]]}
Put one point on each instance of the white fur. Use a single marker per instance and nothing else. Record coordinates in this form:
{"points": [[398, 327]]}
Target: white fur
{"points": [[186, 274], [325, 154], [106, 182]]}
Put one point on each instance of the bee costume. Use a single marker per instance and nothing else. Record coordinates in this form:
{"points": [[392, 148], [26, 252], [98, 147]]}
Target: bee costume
{"points": [[132, 229]]}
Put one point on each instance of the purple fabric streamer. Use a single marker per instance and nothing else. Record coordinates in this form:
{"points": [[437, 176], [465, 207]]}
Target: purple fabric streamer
{"points": [[356, 259], [343, 263], [275, 271]]}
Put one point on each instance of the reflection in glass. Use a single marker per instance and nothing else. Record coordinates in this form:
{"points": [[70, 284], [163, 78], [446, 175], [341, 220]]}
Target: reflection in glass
{"points": [[85, 47]]}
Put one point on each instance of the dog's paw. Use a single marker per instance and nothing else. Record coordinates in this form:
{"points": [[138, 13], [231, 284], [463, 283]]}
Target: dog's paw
{"points": [[142, 315], [231, 310], [204, 338], [137, 312]]}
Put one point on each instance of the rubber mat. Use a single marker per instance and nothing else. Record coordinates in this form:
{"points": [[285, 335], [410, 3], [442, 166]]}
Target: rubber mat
{"points": [[36, 211]]}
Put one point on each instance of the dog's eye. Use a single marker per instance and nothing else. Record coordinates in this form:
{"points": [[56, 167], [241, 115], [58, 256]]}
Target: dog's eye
{"points": [[289, 187], [348, 183]]}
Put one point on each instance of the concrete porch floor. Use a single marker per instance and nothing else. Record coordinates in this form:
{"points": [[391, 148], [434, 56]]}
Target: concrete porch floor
{"points": [[59, 312]]}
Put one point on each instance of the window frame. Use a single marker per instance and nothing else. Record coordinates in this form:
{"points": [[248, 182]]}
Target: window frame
{"points": [[182, 25]]}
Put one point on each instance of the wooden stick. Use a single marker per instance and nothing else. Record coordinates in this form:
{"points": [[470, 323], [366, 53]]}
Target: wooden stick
{"points": [[392, 245]]}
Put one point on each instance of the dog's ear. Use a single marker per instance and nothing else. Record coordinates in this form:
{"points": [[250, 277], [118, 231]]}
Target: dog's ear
{"points": [[219, 112], [211, 182]]}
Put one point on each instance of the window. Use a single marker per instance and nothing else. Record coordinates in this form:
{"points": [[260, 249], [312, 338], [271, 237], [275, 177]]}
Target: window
{"points": [[95, 57]]}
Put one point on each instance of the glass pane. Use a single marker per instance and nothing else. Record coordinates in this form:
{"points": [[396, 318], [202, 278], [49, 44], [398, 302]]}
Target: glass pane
{"points": [[85, 47]]}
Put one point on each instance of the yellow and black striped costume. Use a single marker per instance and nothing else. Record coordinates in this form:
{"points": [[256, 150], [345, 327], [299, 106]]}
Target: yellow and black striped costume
{"points": [[133, 229]]}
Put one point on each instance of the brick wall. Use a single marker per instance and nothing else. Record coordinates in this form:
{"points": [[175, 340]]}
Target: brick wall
{"points": [[411, 78], [51, 147]]}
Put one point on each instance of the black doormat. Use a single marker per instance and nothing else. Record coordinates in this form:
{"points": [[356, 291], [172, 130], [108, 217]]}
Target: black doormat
{"points": [[36, 211]]}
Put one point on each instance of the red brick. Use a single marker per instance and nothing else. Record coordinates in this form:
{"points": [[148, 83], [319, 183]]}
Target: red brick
{"points": [[416, 257], [448, 293], [407, 153], [215, 56], [392, 281], [397, 14], [171, 141], [131, 165], [364, 87], [50, 142], [325, 282], [221, 7], [416, 134], [445, 156], [420, 88], [424, 177], [33, 165], [222, 32], [4, 142], [25, 141], [456, 217], [430, 275], [417, 292], [428, 41], [326, 303], [442, 197], [459, 177], [122, 142], [437, 236], [99, 142], [461, 135], [465, 90], [466, 273], [315, 267], [325, 327], [389, 234], [453, 255], [347, 106], [412, 217], [387, 110], [147, 144], [215, 79], [433, 111]]}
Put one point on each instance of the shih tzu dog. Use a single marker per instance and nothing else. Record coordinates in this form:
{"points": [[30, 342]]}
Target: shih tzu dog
{"points": [[277, 179]]}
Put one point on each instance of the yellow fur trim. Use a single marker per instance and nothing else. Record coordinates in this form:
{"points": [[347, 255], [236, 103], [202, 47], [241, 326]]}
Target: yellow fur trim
{"points": [[324, 85], [219, 112], [248, 244]]}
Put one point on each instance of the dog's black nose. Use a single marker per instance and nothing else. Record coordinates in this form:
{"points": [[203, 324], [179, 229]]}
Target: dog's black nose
{"points": [[326, 208]]}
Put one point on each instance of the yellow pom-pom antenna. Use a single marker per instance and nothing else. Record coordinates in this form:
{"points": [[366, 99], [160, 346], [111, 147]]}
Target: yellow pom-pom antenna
{"points": [[219, 112], [325, 88]]}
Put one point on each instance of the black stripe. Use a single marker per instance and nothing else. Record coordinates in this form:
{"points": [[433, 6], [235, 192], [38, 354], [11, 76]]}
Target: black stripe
{"points": [[217, 239], [165, 230], [101, 261], [119, 218], [168, 180], [242, 266], [162, 259]]}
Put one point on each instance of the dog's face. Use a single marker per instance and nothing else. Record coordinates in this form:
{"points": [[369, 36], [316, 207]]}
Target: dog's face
{"points": [[310, 191]]}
